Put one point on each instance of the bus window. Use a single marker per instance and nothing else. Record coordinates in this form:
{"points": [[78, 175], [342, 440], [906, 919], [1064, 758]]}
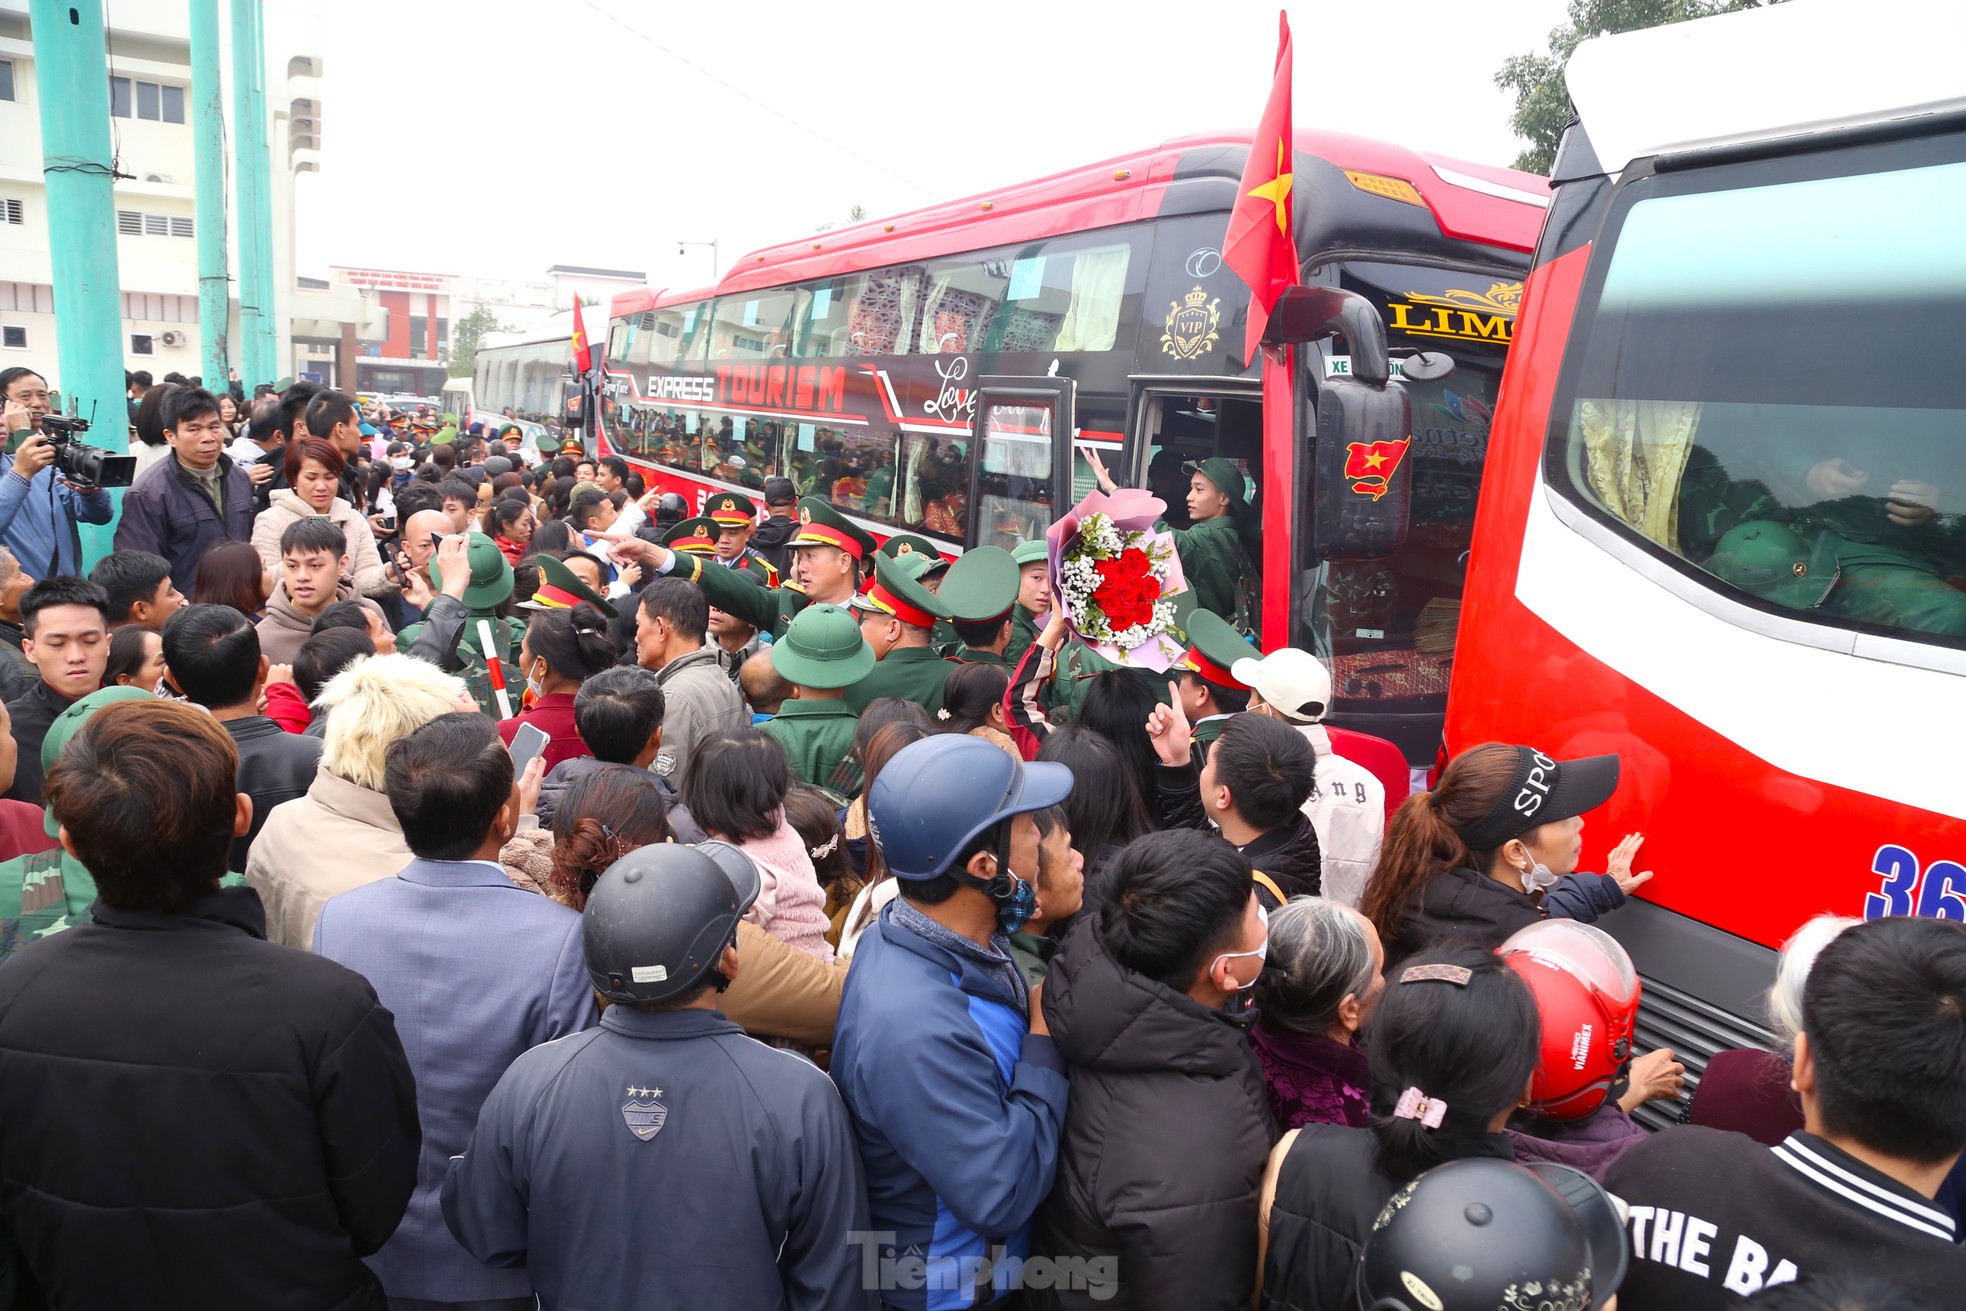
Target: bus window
{"points": [[1188, 429], [752, 325], [934, 480], [963, 293], [1041, 297], [861, 314], [1753, 407], [1014, 483]]}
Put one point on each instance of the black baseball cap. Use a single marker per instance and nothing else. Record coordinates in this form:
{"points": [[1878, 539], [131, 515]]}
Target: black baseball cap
{"points": [[1543, 791], [779, 491]]}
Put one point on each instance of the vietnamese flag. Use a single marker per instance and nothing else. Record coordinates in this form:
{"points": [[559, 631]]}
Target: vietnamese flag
{"points": [[583, 358], [1258, 245], [1371, 465]]}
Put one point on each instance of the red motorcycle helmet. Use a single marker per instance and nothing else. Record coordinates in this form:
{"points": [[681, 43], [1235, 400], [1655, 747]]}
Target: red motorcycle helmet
{"points": [[1586, 995]]}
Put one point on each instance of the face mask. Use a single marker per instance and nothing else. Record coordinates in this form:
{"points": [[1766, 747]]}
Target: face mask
{"points": [[1262, 953], [401, 463], [1014, 910], [535, 687], [1537, 876]]}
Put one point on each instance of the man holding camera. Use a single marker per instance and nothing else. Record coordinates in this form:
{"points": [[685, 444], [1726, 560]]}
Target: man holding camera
{"points": [[192, 499], [39, 508]]}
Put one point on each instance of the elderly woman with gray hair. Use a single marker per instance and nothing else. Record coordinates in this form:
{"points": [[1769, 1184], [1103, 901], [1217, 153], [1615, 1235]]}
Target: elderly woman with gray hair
{"points": [[1317, 987]]}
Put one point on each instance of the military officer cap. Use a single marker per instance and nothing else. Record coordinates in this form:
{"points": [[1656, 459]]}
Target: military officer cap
{"points": [[696, 535], [912, 544], [560, 588], [822, 648], [729, 509], [1034, 551], [1771, 561], [980, 587], [821, 525], [1223, 473], [897, 591], [1214, 646], [491, 574]]}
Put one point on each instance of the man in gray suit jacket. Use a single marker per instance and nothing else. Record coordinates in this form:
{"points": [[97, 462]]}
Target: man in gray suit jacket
{"points": [[476, 970]]}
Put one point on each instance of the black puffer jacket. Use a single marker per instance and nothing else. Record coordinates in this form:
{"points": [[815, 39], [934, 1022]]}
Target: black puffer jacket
{"points": [[1155, 1076], [1288, 856], [1463, 906]]}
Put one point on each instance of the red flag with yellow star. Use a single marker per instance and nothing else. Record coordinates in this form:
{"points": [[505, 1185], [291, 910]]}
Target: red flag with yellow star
{"points": [[1259, 246], [583, 359]]}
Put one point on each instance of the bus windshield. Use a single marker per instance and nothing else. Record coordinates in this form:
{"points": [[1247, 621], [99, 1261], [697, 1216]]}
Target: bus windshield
{"points": [[1387, 626], [1759, 392]]}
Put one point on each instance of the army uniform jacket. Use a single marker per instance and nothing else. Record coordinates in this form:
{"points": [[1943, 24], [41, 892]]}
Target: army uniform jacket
{"points": [[816, 735], [768, 609], [913, 673]]}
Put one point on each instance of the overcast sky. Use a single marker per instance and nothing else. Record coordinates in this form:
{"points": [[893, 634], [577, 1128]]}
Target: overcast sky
{"points": [[497, 137]]}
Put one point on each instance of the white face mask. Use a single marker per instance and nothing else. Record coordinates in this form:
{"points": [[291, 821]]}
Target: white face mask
{"points": [[534, 684], [400, 462], [1261, 953], [1537, 877]]}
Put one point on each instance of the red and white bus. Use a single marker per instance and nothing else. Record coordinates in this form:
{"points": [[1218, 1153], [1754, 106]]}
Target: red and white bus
{"points": [[1720, 530], [934, 372]]}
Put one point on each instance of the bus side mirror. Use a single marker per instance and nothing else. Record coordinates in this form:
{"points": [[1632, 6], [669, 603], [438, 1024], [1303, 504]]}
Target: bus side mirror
{"points": [[570, 403], [1364, 477]]}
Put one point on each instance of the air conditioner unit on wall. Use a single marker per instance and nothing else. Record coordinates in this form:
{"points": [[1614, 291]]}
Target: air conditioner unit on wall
{"points": [[156, 177], [173, 339]]}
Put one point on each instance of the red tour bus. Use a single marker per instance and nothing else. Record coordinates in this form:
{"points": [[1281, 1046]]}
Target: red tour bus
{"points": [[1720, 533], [935, 372]]}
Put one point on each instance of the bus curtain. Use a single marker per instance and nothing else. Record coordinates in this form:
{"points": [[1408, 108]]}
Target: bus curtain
{"points": [[1092, 320], [1635, 454]]}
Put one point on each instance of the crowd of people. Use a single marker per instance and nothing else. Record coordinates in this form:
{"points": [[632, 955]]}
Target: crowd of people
{"points": [[439, 872]]}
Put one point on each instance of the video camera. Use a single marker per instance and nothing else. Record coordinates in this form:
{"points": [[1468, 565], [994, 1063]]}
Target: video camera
{"points": [[79, 462]]}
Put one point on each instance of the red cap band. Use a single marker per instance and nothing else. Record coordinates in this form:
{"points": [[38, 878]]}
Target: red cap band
{"points": [[1209, 670], [553, 596], [819, 534], [735, 518], [695, 545], [882, 599]]}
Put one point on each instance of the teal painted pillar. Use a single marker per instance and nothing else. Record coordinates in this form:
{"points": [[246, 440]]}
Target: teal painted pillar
{"points": [[208, 126], [72, 79], [249, 180], [270, 298]]}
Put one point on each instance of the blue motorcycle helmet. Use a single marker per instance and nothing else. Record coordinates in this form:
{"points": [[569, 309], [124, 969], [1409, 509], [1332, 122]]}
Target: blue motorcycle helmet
{"points": [[937, 797]]}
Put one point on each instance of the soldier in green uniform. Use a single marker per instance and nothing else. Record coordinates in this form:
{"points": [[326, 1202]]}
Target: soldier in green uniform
{"points": [[821, 655], [827, 549], [736, 518], [897, 614], [695, 537], [1033, 597], [490, 588], [944, 638], [1209, 692], [980, 591], [560, 588], [1211, 551]]}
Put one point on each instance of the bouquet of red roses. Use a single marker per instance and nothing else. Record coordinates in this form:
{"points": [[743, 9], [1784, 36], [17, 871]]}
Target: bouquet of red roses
{"points": [[1117, 577]]}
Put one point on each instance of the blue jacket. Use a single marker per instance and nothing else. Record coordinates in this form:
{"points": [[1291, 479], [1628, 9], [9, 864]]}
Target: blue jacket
{"points": [[957, 1109], [666, 1160], [476, 970], [46, 542]]}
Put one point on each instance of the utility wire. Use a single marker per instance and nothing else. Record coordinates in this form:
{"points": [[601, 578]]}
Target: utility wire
{"points": [[769, 109]]}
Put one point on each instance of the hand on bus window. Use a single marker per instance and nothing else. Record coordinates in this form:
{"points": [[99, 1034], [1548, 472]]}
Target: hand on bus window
{"points": [[1098, 467], [1619, 867], [1834, 479], [1168, 730], [1655, 1077], [1912, 503]]}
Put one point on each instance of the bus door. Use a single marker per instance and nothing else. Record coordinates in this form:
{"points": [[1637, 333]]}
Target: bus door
{"points": [[1183, 421], [1023, 431]]}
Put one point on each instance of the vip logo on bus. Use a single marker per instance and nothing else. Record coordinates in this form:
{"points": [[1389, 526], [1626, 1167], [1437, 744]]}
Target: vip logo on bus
{"points": [[1190, 329], [1466, 315], [1370, 466]]}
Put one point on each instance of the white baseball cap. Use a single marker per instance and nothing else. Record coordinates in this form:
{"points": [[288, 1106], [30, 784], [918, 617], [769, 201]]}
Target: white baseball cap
{"points": [[1294, 683]]}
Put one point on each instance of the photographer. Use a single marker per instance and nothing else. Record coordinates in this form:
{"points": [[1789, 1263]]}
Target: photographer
{"points": [[194, 498], [39, 509]]}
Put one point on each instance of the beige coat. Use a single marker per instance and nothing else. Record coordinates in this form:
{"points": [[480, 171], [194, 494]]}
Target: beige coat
{"points": [[364, 559], [337, 837]]}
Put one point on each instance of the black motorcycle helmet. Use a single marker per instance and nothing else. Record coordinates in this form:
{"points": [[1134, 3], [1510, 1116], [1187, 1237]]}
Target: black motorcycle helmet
{"points": [[658, 920], [670, 510], [1481, 1234]]}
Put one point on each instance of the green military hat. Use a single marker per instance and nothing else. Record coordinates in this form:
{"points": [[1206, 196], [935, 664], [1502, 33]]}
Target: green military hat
{"points": [[731, 510], [981, 586], [822, 648], [697, 535], [1771, 561], [913, 544], [821, 525], [491, 574], [1223, 473], [1214, 646], [1034, 551], [69, 722], [560, 588], [897, 590], [578, 488]]}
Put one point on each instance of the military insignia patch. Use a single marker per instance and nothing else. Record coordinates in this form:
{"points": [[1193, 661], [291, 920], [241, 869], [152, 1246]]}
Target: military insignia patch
{"points": [[805, 514], [644, 1115]]}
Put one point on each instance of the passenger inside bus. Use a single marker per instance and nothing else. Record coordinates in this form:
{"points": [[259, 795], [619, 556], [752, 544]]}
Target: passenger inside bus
{"points": [[1794, 505]]}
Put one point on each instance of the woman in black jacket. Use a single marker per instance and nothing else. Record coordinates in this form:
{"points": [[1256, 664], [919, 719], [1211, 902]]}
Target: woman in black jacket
{"points": [[1453, 1045], [1492, 849]]}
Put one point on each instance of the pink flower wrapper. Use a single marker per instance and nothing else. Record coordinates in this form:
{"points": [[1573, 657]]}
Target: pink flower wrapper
{"points": [[1132, 511]]}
